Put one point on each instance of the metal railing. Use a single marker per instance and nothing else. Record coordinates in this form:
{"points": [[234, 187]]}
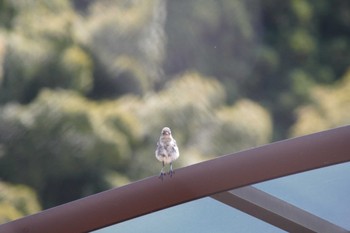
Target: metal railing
{"points": [[189, 183]]}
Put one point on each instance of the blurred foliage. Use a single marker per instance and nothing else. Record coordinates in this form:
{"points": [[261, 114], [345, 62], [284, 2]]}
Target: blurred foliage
{"points": [[204, 127], [302, 35], [16, 201], [86, 86], [235, 132], [260, 49], [330, 108], [126, 40], [41, 54], [224, 37], [63, 142]]}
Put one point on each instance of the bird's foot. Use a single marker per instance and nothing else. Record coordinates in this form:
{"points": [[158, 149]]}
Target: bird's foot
{"points": [[161, 175], [171, 173]]}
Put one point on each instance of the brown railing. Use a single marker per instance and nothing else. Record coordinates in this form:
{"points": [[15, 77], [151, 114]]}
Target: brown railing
{"points": [[203, 179]]}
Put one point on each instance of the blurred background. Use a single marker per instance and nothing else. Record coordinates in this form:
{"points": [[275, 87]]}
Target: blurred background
{"points": [[86, 86]]}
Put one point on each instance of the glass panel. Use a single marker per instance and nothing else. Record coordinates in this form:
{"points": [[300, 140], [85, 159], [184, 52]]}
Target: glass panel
{"points": [[204, 215], [323, 192]]}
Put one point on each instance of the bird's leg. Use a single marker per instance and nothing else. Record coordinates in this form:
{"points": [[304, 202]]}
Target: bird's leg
{"points": [[171, 171], [162, 173]]}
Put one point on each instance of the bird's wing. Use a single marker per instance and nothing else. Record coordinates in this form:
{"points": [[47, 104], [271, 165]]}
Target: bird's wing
{"points": [[174, 146], [174, 141], [157, 149]]}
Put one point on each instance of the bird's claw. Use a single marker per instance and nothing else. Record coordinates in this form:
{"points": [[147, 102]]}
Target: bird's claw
{"points": [[171, 172], [161, 175]]}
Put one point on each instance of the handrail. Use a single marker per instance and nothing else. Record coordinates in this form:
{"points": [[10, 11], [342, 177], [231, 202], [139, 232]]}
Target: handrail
{"points": [[189, 183]]}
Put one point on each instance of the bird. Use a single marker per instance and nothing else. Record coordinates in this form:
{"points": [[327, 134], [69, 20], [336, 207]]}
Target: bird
{"points": [[167, 151]]}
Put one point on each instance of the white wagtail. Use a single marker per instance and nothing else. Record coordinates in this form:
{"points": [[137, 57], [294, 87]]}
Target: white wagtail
{"points": [[167, 151]]}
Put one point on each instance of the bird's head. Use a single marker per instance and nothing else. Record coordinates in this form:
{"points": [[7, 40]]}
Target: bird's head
{"points": [[166, 131]]}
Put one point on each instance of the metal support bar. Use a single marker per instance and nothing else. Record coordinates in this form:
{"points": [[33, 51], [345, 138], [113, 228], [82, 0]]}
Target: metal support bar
{"points": [[189, 183], [275, 211]]}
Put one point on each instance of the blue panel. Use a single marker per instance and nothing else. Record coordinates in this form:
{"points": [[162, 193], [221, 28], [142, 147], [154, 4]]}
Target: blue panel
{"points": [[323, 192]]}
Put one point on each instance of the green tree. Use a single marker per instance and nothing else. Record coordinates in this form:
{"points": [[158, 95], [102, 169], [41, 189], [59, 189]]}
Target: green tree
{"points": [[329, 108], [65, 146], [41, 51], [16, 201], [216, 38], [270, 51], [126, 40], [306, 46]]}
